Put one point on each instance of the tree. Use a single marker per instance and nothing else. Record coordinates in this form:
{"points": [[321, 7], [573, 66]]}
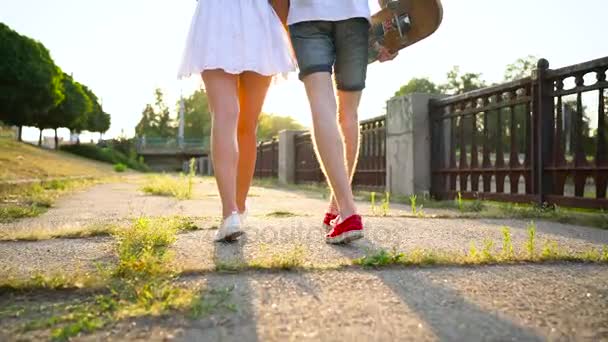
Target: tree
{"points": [[30, 82], [97, 120], [146, 125], [89, 107], [197, 116], [71, 111], [458, 83], [521, 68], [156, 120], [418, 85], [166, 125], [270, 125]]}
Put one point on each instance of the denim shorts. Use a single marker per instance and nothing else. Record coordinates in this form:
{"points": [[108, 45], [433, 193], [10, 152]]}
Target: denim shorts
{"points": [[321, 46]]}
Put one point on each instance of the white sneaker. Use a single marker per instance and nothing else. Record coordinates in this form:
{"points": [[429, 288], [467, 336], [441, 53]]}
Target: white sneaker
{"points": [[230, 229]]}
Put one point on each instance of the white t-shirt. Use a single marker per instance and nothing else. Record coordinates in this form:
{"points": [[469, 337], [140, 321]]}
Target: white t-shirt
{"points": [[327, 10]]}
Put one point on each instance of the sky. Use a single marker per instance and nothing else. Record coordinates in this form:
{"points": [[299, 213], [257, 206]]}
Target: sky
{"points": [[123, 50]]}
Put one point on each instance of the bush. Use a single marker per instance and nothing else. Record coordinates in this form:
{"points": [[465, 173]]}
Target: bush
{"points": [[120, 167], [105, 154]]}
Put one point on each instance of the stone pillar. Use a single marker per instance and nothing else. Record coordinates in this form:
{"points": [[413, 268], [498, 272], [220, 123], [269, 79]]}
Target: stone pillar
{"points": [[408, 145], [210, 171], [287, 156]]}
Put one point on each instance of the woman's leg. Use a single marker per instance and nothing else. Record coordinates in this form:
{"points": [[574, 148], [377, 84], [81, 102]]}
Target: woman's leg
{"points": [[222, 90], [252, 93]]}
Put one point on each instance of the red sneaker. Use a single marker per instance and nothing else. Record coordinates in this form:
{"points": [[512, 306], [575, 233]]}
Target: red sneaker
{"points": [[348, 230], [327, 221]]}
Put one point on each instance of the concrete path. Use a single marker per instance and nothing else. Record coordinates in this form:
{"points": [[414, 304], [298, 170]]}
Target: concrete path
{"points": [[559, 302]]}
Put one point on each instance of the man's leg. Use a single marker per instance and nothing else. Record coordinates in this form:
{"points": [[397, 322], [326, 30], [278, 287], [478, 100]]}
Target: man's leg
{"points": [[327, 139], [351, 42], [348, 119]]}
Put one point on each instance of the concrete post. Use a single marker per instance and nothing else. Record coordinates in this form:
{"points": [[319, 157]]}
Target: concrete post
{"points": [[287, 156], [408, 145]]}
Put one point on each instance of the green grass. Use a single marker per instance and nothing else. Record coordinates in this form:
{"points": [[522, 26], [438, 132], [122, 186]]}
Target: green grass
{"points": [[67, 232], [291, 259], [58, 282], [166, 185], [181, 187], [281, 214], [12, 212], [287, 260], [106, 155], [22, 161], [31, 200], [120, 167], [384, 205], [461, 208], [500, 210], [142, 283], [488, 255]]}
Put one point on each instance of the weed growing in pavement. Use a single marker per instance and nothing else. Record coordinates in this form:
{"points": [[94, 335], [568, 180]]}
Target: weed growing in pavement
{"points": [[487, 253], [530, 245], [281, 214], [10, 213], [460, 202], [32, 200], [473, 253], [551, 252], [141, 284], [282, 260], [165, 185], [507, 244], [42, 233], [413, 204], [191, 175], [373, 201], [386, 204]]}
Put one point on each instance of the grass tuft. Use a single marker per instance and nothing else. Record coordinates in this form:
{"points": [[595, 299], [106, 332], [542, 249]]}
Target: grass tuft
{"points": [[31, 200], [530, 245], [373, 202], [507, 244], [164, 185], [120, 167], [386, 203], [12, 212], [283, 260], [37, 234], [281, 214], [140, 284]]}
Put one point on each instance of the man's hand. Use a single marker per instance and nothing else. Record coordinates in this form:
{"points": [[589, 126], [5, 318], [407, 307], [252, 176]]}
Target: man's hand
{"points": [[384, 55]]}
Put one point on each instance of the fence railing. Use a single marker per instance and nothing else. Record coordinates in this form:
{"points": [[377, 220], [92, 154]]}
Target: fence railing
{"points": [[267, 164], [530, 140], [171, 145], [371, 167], [307, 166]]}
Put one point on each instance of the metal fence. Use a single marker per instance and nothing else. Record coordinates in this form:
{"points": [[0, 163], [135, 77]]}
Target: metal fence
{"points": [[307, 166], [371, 167], [539, 139], [171, 145], [267, 163]]}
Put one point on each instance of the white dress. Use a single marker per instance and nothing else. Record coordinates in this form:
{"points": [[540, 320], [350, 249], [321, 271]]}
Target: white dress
{"points": [[236, 36]]}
